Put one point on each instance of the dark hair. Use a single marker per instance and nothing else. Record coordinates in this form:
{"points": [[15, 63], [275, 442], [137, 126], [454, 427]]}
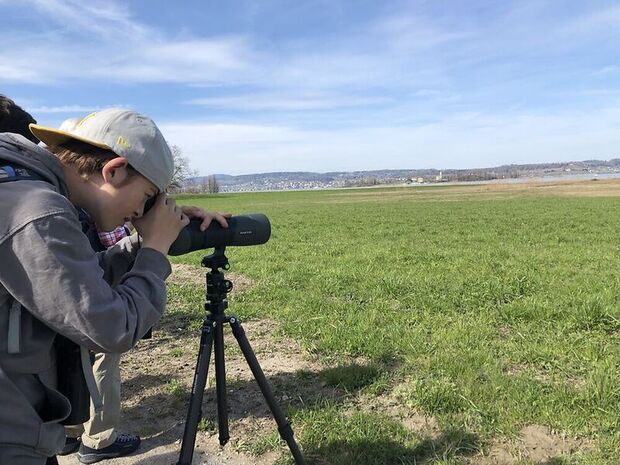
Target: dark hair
{"points": [[14, 118], [87, 158]]}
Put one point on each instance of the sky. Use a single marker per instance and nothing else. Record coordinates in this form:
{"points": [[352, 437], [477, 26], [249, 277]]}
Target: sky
{"points": [[254, 86]]}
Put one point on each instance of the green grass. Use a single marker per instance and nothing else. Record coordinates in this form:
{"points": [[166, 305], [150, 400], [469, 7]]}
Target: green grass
{"points": [[352, 377], [496, 311], [365, 438], [177, 390]]}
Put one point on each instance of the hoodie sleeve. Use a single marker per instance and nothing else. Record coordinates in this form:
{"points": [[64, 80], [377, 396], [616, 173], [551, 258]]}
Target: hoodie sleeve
{"points": [[57, 277]]}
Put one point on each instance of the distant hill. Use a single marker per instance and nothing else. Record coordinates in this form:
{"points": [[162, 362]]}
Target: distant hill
{"points": [[311, 180]]}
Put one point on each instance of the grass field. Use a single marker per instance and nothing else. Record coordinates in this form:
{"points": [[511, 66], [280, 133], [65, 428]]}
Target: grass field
{"points": [[487, 309]]}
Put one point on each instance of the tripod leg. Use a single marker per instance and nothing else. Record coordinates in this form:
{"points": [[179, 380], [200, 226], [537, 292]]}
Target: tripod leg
{"points": [[194, 411], [284, 428], [220, 383]]}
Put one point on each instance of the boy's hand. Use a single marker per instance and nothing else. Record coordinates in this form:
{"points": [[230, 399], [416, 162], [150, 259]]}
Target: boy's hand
{"points": [[207, 217], [161, 225]]}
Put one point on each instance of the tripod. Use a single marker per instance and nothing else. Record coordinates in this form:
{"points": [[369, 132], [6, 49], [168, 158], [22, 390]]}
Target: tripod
{"points": [[213, 336]]}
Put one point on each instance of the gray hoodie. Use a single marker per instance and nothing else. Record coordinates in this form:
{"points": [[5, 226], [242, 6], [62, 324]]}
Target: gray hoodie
{"points": [[48, 266]]}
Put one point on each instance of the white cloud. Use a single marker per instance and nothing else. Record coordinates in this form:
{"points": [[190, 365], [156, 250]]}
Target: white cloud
{"points": [[104, 18], [288, 101], [72, 109], [410, 34], [452, 142], [205, 61], [17, 72], [101, 41], [194, 61], [607, 70], [599, 21]]}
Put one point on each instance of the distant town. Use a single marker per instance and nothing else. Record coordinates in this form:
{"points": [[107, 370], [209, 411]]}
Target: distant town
{"points": [[309, 180]]}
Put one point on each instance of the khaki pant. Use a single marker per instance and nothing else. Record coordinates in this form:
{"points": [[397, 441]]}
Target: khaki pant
{"points": [[100, 430]]}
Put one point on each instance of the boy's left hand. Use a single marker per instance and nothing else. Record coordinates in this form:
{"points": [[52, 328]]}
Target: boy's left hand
{"points": [[198, 213]]}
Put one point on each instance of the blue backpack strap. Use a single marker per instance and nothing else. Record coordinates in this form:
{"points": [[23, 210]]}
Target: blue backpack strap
{"points": [[14, 172], [8, 170]]}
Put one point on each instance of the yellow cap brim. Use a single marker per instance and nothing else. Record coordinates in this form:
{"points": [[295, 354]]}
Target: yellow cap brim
{"points": [[54, 137]]}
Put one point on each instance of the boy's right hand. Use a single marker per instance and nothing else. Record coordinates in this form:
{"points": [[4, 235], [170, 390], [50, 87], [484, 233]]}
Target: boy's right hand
{"points": [[161, 225]]}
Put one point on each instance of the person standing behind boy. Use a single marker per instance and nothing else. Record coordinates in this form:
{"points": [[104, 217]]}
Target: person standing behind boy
{"points": [[98, 439], [15, 119]]}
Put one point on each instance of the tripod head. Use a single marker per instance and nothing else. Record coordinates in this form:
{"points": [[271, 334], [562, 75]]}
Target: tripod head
{"points": [[216, 260], [217, 286]]}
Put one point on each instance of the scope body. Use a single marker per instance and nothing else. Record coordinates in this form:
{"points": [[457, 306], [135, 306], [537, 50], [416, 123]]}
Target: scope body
{"points": [[243, 230]]}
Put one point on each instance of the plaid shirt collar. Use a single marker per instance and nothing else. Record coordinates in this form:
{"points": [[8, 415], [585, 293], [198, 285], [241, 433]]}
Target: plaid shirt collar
{"points": [[108, 239]]}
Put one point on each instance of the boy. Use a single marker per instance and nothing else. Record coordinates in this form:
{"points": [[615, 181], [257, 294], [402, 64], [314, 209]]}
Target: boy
{"points": [[51, 282], [98, 438]]}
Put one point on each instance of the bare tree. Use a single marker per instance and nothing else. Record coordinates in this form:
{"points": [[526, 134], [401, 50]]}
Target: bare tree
{"points": [[182, 170], [213, 187], [204, 185]]}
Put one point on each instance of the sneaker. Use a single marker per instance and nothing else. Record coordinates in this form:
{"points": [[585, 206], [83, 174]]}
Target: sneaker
{"points": [[125, 444], [71, 446]]}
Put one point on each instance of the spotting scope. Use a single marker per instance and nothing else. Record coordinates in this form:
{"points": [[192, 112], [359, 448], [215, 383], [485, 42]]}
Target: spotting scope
{"points": [[251, 229]]}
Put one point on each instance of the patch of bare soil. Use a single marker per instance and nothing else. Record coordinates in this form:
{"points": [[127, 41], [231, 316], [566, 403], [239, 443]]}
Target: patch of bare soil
{"points": [[413, 421], [194, 275], [535, 443]]}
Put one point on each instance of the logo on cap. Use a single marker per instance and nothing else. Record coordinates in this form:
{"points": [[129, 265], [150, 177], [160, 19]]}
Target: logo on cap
{"points": [[122, 142]]}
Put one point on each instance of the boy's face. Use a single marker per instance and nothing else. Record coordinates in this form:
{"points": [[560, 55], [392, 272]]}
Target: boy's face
{"points": [[122, 195]]}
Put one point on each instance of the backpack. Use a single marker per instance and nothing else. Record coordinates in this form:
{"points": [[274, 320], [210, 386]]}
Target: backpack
{"points": [[66, 349]]}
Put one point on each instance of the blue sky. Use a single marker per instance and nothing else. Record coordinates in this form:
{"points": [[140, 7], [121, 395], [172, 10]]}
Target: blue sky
{"points": [[259, 86]]}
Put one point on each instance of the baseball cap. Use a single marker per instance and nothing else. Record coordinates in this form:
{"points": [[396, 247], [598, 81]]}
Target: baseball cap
{"points": [[126, 133], [69, 124]]}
